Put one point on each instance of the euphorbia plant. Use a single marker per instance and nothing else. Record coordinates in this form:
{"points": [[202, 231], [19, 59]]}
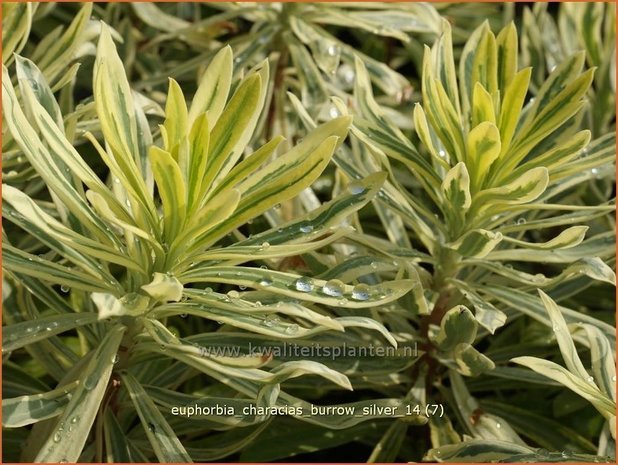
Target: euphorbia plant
{"points": [[472, 205], [134, 251]]}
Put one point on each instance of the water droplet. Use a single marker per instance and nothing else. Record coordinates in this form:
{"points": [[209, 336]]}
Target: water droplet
{"points": [[441, 153], [333, 112], [270, 321], [304, 284], [333, 288], [57, 437], [614, 378], [115, 359], [117, 180], [556, 328], [242, 287], [265, 282], [65, 288], [356, 188], [278, 206], [306, 228], [292, 329], [75, 419], [183, 315], [343, 301], [258, 303], [233, 294], [346, 74], [331, 50], [360, 292], [521, 220], [374, 265], [498, 425], [91, 382], [590, 379], [265, 245]]}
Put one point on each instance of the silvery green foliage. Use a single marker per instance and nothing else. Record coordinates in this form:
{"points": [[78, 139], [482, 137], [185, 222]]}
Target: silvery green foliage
{"points": [[185, 182]]}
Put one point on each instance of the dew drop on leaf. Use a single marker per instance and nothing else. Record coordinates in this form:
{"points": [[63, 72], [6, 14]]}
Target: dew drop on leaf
{"points": [[360, 292], [91, 382], [64, 288], [292, 329], [333, 288], [356, 188], [270, 321], [265, 282], [304, 284], [306, 228], [233, 294]]}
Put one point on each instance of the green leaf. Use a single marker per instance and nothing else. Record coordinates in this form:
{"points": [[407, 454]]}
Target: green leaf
{"points": [[28, 332], [176, 115], [483, 148], [456, 187], [172, 189], [26, 410], [25, 209], [583, 388], [544, 431], [506, 48], [477, 450], [470, 362], [565, 342], [477, 243], [233, 130], [27, 71], [457, 326], [69, 434], [510, 110], [528, 187], [330, 292], [164, 288], [533, 306], [570, 237], [602, 358], [213, 89], [110, 306], [17, 261], [119, 447], [115, 109], [166, 445]]}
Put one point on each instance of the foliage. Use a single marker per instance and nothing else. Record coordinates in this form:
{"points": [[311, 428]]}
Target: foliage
{"points": [[184, 183]]}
